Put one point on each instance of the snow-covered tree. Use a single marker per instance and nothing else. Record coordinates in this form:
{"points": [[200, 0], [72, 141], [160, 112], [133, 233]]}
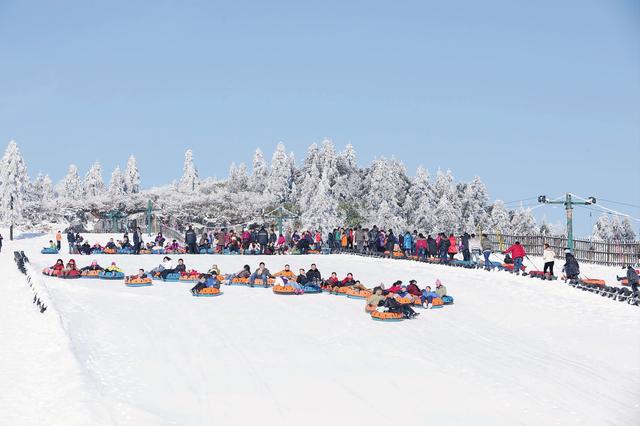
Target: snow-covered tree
{"points": [[238, 178], [387, 185], [189, 181], [260, 172], [47, 188], [348, 182], [448, 209], [116, 185], [322, 212], [93, 182], [420, 203], [13, 184], [474, 202], [72, 188], [602, 228], [523, 222], [499, 218], [132, 177], [628, 234], [280, 178]]}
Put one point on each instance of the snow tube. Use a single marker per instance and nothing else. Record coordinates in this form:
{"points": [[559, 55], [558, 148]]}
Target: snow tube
{"points": [[203, 251], [49, 250], [51, 272], [311, 289], [189, 278], [447, 300], [70, 275], [541, 275], [138, 282], [342, 291], [354, 293], [208, 292], [145, 251], [497, 265], [97, 251], [173, 277], [284, 289], [509, 267], [89, 274], [437, 303], [591, 281], [370, 308], [179, 251], [405, 300], [240, 281], [157, 251], [313, 251], [387, 316], [125, 251], [111, 275], [110, 251]]}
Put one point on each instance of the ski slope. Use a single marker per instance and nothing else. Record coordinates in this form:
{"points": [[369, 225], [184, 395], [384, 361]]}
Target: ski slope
{"points": [[512, 350]]}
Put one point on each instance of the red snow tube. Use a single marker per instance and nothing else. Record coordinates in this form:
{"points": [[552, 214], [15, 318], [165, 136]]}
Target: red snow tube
{"points": [[51, 272], [70, 274], [509, 267]]}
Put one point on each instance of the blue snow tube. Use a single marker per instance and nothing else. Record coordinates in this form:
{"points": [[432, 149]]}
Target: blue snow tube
{"points": [[49, 250], [173, 277], [157, 251], [210, 251], [111, 275], [97, 251], [125, 251], [447, 300], [203, 251], [311, 289]]}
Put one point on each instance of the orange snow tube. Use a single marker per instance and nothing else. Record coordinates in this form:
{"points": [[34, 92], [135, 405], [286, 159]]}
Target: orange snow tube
{"points": [[354, 293], [386, 316], [110, 251], [89, 274], [405, 300], [138, 282], [208, 292], [342, 291], [591, 281], [437, 303], [284, 289], [369, 308]]}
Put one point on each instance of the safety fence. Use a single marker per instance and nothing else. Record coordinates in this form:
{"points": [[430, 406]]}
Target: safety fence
{"points": [[610, 253]]}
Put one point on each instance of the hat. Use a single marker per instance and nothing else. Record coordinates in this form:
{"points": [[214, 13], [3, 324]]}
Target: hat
{"points": [[567, 250], [113, 263], [438, 282], [413, 282], [94, 262]]}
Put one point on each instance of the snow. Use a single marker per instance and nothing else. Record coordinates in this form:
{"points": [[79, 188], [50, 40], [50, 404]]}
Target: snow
{"points": [[511, 350]]}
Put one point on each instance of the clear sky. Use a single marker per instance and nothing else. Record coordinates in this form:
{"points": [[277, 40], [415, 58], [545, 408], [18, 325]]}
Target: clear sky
{"points": [[535, 97]]}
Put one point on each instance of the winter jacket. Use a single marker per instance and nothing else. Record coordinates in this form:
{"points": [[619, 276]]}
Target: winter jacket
{"points": [[414, 290], [332, 281], [453, 248], [486, 245], [421, 243], [181, 268], [441, 291], [71, 238], [432, 246], [426, 293], [516, 251], [263, 237], [374, 300], [314, 275], [571, 267], [136, 238], [189, 236], [302, 279], [548, 255], [221, 237], [465, 241], [474, 244], [632, 276], [408, 241], [284, 273], [347, 282], [395, 288]]}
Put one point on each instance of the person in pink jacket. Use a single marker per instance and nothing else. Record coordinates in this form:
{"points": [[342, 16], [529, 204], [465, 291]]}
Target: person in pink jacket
{"points": [[453, 248]]}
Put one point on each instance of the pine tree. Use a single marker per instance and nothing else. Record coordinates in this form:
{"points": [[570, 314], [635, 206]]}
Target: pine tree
{"points": [[602, 229], [189, 182], [474, 203], [322, 212], [499, 218], [93, 183], [132, 177], [388, 185], [72, 188], [616, 229], [279, 182], [47, 188], [628, 234], [14, 183], [420, 201], [116, 185], [523, 222], [238, 178], [260, 172], [348, 182]]}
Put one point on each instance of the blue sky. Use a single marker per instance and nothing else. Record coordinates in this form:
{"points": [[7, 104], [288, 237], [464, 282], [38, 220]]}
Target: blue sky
{"points": [[535, 97]]}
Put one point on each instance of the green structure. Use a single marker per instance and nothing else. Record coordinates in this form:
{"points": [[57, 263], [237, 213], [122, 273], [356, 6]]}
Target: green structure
{"points": [[568, 205], [280, 213]]}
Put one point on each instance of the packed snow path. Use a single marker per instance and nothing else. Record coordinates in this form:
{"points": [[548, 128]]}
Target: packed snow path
{"points": [[512, 350]]}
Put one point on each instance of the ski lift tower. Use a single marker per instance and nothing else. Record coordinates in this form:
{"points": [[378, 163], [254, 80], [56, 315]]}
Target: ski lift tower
{"points": [[114, 216], [280, 213], [568, 205]]}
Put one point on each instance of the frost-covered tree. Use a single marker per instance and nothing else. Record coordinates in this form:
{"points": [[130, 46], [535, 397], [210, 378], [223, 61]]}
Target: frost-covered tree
{"points": [[387, 185], [499, 218], [132, 177], [474, 202], [93, 182], [420, 203], [447, 210], [72, 188], [238, 178], [260, 172], [628, 234], [189, 182], [116, 185], [47, 188], [348, 181], [14, 182], [602, 228], [523, 222], [280, 178], [544, 229], [322, 212]]}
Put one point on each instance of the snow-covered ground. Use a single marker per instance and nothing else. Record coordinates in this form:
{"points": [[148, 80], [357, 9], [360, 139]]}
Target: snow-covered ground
{"points": [[512, 350]]}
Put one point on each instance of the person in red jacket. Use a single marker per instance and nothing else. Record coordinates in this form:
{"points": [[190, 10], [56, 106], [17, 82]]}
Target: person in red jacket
{"points": [[413, 288], [518, 253], [453, 247], [396, 287]]}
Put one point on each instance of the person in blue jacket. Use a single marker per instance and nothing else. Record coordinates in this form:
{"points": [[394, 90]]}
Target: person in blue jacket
{"points": [[205, 281], [427, 297], [408, 244]]}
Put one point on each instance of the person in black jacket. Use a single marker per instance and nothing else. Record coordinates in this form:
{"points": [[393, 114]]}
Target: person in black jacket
{"points": [[137, 241], [71, 239], [571, 268], [190, 239], [632, 279], [432, 248], [466, 254], [313, 275], [263, 239]]}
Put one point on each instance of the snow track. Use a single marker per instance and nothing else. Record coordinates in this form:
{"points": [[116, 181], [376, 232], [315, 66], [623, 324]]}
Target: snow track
{"points": [[512, 350]]}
